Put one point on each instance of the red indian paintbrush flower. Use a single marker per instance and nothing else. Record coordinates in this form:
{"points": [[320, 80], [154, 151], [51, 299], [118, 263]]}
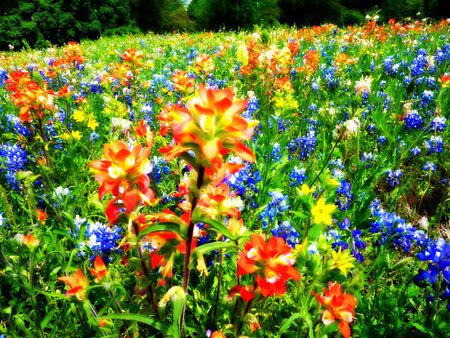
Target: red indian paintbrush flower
{"points": [[211, 126], [339, 306], [123, 172], [77, 283], [32, 99], [272, 262], [99, 271]]}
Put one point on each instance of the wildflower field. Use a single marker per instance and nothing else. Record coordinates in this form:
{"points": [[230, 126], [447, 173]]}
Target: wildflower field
{"points": [[276, 183]]}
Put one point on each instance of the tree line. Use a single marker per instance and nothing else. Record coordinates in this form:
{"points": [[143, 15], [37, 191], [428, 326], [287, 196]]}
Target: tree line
{"points": [[39, 23]]}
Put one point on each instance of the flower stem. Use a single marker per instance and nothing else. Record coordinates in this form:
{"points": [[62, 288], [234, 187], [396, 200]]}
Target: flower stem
{"points": [[190, 235]]}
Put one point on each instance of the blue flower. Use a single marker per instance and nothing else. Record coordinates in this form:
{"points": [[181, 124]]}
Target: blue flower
{"points": [[12, 159], [297, 176], [303, 146], [393, 177], [276, 153], [244, 180], [344, 195], [275, 208], [413, 120], [286, 231], [429, 166], [252, 107], [102, 239], [438, 124], [434, 144]]}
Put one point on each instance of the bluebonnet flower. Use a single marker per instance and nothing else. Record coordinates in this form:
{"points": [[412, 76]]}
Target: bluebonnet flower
{"points": [[413, 120], [329, 75], [2, 220], [286, 231], [160, 168], [102, 239], [381, 140], [427, 97], [3, 76], [415, 151], [337, 163], [371, 128], [419, 63], [407, 80], [388, 64], [19, 128], [344, 195], [314, 86], [313, 107], [147, 110], [367, 158], [244, 180], [429, 166], [393, 177], [434, 144], [276, 153], [12, 159], [430, 82], [439, 123], [252, 107], [94, 136], [275, 208], [297, 176], [345, 224], [391, 226], [303, 146]]}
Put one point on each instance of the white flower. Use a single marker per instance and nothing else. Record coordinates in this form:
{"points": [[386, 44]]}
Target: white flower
{"points": [[352, 126], [60, 192], [363, 85]]}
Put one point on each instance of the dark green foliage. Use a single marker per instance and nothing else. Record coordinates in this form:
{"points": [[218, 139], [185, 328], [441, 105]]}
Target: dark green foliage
{"points": [[40, 23], [44, 22]]}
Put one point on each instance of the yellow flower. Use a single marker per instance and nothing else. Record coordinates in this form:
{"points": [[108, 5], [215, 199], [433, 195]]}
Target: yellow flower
{"points": [[76, 135], [334, 182], [65, 136], [306, 190], [79, 115], [322, 212], [92, 123], [342, 260]]}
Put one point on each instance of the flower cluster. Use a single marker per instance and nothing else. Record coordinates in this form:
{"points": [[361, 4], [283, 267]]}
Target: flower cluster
{"points": [[272, 262]]}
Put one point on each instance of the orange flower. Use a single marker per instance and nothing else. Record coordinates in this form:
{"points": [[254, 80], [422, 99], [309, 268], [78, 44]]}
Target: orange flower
{"points": [[204, 64], [121, 168], [445, 80], [41, 215], [339, 306], [123, 172], [182, 82], [29, 240], [218, 201], [99, 271], [246, 292], [272, 262], [32, 99], [77, 283], [132, 56], [211, 125]]}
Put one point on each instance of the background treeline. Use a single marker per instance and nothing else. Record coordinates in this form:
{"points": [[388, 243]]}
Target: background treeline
{"points": [[39, 23]]}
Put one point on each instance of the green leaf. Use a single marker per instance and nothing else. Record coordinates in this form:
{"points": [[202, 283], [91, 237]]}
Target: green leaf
{"points": [[216, 225], [156, 323], [47, 319], [205, 248], [173, 227], [315, 232], [420, 327], [288, 322]]}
